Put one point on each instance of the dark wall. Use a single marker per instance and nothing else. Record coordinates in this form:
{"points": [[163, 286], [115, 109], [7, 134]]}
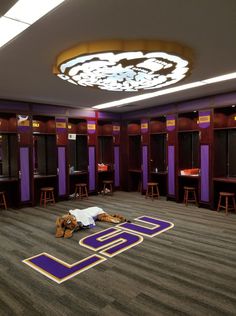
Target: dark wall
{"points": [[188, 150]]}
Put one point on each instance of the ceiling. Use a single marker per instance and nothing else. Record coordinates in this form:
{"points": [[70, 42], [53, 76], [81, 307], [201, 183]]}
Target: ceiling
{"points": [[208, 27]]}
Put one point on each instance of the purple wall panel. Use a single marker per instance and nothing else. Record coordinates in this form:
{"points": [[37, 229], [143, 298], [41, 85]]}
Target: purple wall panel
{"points": [[14, 106], [113, 116], [145, 166], [225, 99], [81, 113], [61, 125], [144, 126], [92, 168], [170, 122], [205, 173], [171, 170], [62, 170], [25, 174], [48, 109], [204, 119], [117, 165]]}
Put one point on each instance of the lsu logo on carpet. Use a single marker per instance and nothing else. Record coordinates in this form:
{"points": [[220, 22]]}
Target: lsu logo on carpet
{"points": [[108, 243]]}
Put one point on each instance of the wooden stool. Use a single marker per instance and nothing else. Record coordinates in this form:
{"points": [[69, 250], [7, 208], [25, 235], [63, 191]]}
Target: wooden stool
{"points": [[152, 190], [226, 206], [190, 195], [47, 195], [3, 200], [107, 184], [81, 191]]}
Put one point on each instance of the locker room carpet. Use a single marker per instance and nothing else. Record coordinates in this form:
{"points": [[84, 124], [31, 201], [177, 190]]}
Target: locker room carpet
{"points": [[188, 270]]}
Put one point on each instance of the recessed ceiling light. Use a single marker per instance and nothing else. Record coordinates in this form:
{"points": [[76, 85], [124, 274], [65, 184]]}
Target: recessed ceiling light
{"points": [[9, 29], [29, 11], [120, 65], [22, 15]]}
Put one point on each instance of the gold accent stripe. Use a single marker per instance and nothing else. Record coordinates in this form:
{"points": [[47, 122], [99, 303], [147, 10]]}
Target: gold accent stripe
{"points": [[124, 46], [60, 125], [116, 128], [24, 123], [204, 119], [144, 125], [91, 126], [170, 123]]}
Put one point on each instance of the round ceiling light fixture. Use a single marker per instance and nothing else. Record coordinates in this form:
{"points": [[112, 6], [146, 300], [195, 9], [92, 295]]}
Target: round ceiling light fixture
{"points": [[124, 65]]}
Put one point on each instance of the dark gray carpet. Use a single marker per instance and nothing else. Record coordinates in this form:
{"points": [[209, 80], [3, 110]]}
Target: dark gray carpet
{"points": [[188, 270]]}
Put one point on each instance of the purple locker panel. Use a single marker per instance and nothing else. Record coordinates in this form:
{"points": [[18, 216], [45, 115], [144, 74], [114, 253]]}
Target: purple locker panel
{"points": [[92, 168], [25, 174], [62, 171], [145, 166], [171, 170], [117, 165], [205, 173]]}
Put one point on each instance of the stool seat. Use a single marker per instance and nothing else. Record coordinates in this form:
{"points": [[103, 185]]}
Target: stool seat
{"points": [[47, 195], [226, 206], [3, 200], [152, 190], [226, 194], [190, 195], [81, 190], [107, 185], [47, 189]]}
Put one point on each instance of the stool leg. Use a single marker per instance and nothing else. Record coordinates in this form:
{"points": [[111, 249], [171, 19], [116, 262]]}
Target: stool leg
{"points": [[226, 205], [76, 191], [45, 199], [53, 198], [104, 188], [49, 197], [146, 195], [152, 193], [234, 203], [41, 198], [4, 201], [158, 193], [86, 192], [219, 204], [187, 196], [111, 189], [80, 192]]}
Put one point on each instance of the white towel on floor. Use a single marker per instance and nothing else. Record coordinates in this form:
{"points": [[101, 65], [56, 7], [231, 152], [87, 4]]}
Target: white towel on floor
{"points": [[87, 216]]}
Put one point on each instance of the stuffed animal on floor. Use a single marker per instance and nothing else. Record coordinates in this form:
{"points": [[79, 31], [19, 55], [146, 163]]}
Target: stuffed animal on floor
{"points": [[85, 218]]}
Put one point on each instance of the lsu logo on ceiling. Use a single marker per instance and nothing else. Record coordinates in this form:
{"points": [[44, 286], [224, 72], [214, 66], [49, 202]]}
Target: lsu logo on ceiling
{"points": [[107, 243]]}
